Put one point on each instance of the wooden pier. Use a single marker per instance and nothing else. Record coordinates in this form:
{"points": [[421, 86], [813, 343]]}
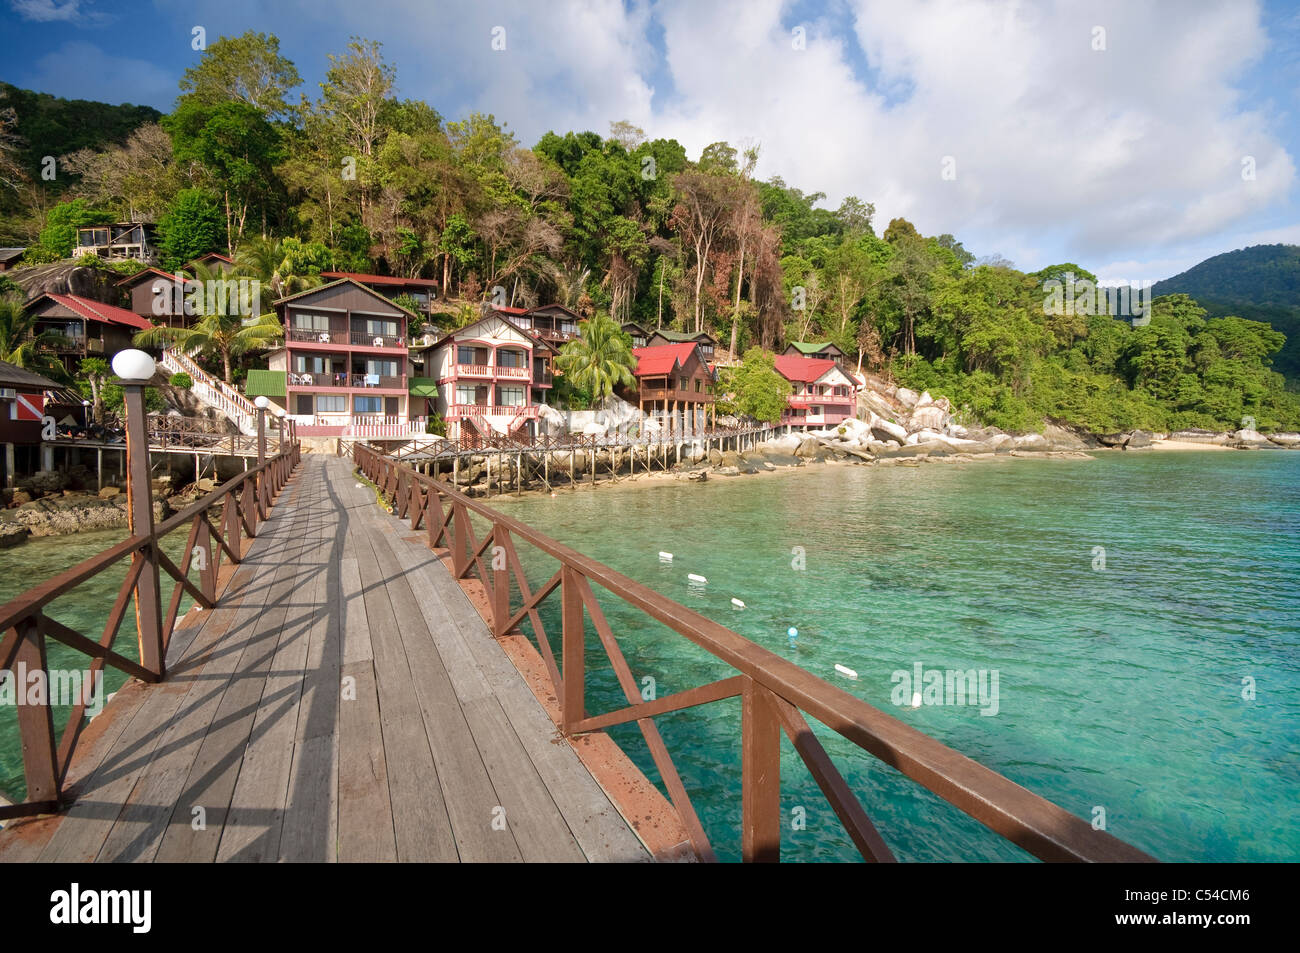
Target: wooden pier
{"points": [[343, 701]]}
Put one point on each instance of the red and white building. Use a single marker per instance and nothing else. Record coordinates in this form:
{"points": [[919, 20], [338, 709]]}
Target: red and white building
{"points": [[345, 362], [823, 395], [489, 376]]}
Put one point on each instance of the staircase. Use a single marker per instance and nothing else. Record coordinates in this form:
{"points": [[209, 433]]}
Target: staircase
{"points": [[215, 393]]}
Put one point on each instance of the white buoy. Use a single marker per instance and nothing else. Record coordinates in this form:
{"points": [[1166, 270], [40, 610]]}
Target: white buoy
{"points": [[694, 578], [792, 632], [666, 557], [845, 671], [916, 699], [737, 603]]}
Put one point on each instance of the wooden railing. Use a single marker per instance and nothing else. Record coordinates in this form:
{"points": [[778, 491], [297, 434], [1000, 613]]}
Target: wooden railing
{"points": [[775, 693], [245, 502]]}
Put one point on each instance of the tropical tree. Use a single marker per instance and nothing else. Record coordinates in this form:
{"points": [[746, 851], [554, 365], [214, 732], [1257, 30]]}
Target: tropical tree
{"points": [[221, 330], [600, 358], [95, 372], [22, 347], [286, 266], [755, 389]]}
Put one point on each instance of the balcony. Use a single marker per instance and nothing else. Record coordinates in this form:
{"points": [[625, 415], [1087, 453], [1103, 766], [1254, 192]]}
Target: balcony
{"points": [[491, 410], [62, 343], [542, 376], [473, 370], [808, 400], [397, 382], [366, 339]]}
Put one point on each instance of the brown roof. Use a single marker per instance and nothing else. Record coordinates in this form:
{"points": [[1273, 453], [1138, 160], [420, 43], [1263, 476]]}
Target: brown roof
{"points": [[11, 375]]}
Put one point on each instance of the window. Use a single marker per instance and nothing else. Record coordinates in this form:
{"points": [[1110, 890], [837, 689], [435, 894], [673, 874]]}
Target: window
{"points": [[466, 354], [312, 364], [682, 384], [510, 396], [311, 322], [384, 368], [699, 386], [367, 405], [378, 326], [465, 393], [331, 404], [638, 341], [510, 359]]}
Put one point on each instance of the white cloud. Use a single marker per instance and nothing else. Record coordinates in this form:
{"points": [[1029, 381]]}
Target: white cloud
{"points": [[46, 11]]}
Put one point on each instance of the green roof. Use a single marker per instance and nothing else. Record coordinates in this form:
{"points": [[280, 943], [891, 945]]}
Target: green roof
{"points": [[424, 386], [265, 384], [806, 348]]}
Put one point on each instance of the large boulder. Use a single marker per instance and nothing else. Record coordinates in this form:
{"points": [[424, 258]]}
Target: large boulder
{"points": [[907, 398], [1031, 441], [886, 430], [1288, 440], [927, 417], [810, 449], [1062, 439], [1139, 439], [1251, 438]]}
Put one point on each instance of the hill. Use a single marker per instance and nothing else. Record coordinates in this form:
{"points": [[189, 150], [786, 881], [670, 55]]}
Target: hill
{"points": [[1260, 283]]}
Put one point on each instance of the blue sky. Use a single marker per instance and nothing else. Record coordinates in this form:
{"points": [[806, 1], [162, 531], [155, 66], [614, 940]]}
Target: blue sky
{"points": [[1113, 134]]}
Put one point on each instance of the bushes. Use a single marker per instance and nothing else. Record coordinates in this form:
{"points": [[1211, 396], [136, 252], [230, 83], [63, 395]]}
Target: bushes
{"points": [[182, 380]]}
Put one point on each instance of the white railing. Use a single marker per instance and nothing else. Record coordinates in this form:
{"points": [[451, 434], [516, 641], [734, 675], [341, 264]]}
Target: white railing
{"points": [[211, 391], [364, 425]]}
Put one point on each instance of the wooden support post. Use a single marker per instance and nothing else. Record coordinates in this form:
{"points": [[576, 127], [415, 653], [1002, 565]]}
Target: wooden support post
{"points": [[572, 649], [36, 722], [760, 774], [139, 497], [500, 581], [208, 565]]}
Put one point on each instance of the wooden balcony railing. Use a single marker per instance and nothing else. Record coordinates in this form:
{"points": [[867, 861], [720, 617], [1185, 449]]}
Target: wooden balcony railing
{"points": [[775, 693], [26, 623], [365, 339]]}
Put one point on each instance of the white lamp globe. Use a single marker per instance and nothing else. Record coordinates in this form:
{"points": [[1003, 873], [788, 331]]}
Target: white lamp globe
{"points": [[261, 402], [133, 365]]}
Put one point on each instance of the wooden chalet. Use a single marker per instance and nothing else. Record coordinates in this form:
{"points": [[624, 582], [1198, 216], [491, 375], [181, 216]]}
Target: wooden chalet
{"points": [[675, 386], [85, 328], [118, 240], [825, 351], [704, 339]]}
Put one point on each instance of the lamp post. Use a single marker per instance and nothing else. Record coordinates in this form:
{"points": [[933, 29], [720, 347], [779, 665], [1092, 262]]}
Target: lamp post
{"points": [[134, 369], [262, 404]]}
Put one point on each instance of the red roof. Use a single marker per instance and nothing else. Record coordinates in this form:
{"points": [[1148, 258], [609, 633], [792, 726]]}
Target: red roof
{"points": [[380, 279], [154, 271], [803, 369], [662, 358], [97, 311], [506, 310]]}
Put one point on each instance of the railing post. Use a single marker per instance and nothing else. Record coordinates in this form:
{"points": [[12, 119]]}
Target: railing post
{"points": [[572, 650], [460, 539], [35, 722], [500, 581], [760, 774], [139, 496], [208, 569]]}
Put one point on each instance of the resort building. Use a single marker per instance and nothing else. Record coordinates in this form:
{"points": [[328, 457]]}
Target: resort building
{"points": [[157, 297], [11, 257], [675, 386], [345, 361], [84, 328], [213, 260], [423, 291], [489, 376], [552, 323], [824, 351], [639, 335], [704, 339], [118, 241], [22, 405], [822, 395]]}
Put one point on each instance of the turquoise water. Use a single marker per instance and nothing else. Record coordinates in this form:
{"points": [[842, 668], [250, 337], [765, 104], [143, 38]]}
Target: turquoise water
{"points": [[1119, 688], [84, 609]]}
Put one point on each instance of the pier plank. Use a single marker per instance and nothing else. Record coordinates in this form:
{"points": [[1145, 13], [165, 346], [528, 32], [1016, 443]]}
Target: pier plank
{"points": [[435, 730]]}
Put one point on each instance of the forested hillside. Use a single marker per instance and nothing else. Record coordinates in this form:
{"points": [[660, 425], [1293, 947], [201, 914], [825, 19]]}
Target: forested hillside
{"points": [[1261, 283], [360, 179]]}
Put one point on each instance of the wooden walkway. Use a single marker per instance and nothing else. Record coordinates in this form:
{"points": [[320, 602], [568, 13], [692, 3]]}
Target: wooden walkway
{"points": [[343, 702]]}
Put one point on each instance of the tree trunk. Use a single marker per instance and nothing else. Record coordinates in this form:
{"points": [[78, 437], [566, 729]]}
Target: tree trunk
{"points": [[225, 359]]}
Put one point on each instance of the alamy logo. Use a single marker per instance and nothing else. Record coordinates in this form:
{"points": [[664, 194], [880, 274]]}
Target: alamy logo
{"points": [[56, 687], [242, 296], [946, 687], [75, 906], [1126, 299]]}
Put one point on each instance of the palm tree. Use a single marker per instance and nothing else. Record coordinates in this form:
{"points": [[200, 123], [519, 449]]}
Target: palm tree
{"points": [[270, 262], [221, 330], [22, 346], [600, 358]]}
